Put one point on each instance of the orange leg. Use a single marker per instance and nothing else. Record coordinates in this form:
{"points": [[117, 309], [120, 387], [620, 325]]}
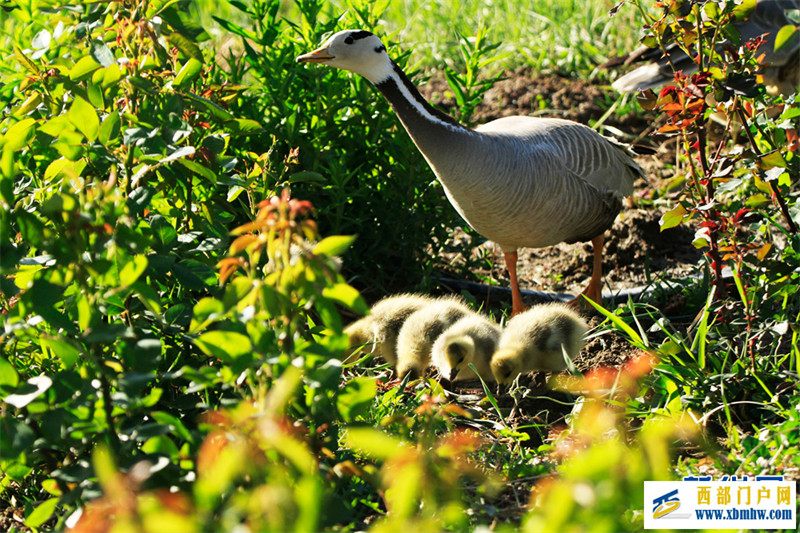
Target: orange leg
{"points": [[594, 290], [517, 306]]}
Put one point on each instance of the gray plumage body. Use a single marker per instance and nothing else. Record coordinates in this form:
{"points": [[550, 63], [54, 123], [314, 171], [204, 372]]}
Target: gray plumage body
{"points": [[537, 340], [421, 329], [472, 339], [537, 182], [378, 331]]}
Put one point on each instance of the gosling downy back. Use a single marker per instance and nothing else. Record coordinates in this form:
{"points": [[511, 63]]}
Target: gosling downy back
{"points": [[381, 326], [421, 329], [471, 339], [537, 339]]}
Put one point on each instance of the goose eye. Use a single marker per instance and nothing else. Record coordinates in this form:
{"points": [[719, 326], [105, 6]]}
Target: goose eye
{"points": [[349, 40]]}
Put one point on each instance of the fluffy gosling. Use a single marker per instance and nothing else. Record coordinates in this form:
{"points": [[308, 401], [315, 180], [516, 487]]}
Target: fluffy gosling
{"points": [[381, 326], [471, 339], [421, 329], [533, 340]]}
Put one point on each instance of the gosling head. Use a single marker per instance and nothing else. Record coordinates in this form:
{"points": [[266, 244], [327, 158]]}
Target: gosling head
{"points": [[506, 366], [458, 354], [358, 51]]}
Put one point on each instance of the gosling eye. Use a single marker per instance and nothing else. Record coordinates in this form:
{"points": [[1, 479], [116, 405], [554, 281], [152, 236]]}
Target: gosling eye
{"points": [[459, 360], [348, 40]]}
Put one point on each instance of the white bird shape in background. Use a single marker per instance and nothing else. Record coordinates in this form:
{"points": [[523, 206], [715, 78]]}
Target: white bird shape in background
{"points": [[781, 68], [518, 181]]}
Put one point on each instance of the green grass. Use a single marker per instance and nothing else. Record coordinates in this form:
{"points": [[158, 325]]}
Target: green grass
{"points": [[570, 37]]}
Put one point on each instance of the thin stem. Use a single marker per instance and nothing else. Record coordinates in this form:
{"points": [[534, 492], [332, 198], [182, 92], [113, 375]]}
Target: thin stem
{"points": [[776, 194]]}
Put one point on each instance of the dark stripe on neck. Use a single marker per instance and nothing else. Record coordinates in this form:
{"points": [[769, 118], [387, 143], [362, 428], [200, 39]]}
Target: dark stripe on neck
{"points": [[392, 93]]}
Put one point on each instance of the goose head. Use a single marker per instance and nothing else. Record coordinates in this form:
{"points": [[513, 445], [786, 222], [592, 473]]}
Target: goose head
{"points": [[358, 51], [506, 366]]}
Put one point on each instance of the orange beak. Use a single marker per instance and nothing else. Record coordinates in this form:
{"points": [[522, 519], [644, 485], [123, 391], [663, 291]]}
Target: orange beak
{"points": [[320, 55]]}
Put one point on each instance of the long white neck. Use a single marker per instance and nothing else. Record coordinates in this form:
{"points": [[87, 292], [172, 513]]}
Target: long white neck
{"points": [[440, 138]]}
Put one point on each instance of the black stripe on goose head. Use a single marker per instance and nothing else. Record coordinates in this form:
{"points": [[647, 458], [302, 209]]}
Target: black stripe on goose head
{"points": [[357, 35]]}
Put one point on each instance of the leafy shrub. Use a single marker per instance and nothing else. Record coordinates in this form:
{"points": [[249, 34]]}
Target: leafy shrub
{"points": [[359, 167]]}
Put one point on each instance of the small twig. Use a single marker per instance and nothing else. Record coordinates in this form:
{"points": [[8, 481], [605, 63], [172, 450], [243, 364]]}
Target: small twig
{"points": [[776, 194]]}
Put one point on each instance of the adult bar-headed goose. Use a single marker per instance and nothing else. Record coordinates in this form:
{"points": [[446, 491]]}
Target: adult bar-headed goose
{"points": [[537, 340], [519, 181], [781, 68]]}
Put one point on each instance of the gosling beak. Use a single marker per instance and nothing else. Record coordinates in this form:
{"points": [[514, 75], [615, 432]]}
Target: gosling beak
{"points": [[453, 374], [320, 55]]}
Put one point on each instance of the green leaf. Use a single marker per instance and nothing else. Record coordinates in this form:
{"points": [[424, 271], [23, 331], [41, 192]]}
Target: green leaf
{"points": [[771, 160], [110, 128], [103, 463], [187, 73], [84, 117], [148, 296], [347, 296], [187, 47], [17, 438], [306, 176], [161, 444], [7, 173], [227, 346], [355, 399], [70, 144], [784, 36], [374, 443], [25, 62], [85, 66], [19, 135], [203, 104], [95, 95], [635, 339], [8, 374], [132, 270], [64, 350], [233, 28], [30, 103], [102, 53], [243, 126], [41, 513], [455, 86], [163, 231], [743, 10], [673, 217], [334, 245], [175, 424], [111, 76], [183, 151], [199, 169]]}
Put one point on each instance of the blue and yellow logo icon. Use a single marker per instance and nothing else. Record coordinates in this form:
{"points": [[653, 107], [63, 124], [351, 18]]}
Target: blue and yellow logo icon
{"points": [[666, 503]]}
